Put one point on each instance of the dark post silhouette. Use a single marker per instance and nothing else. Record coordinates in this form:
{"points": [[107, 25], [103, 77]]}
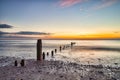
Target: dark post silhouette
{"points": [[43, 55], [15, 64], [71, 44], [60, 48], [63, 47], [47, 53], [55, 50], [52, 53], [22, 62], [39, 50]]}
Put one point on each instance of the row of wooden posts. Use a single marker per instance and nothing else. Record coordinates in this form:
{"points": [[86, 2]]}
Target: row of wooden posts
{"points": [[41, 56]]}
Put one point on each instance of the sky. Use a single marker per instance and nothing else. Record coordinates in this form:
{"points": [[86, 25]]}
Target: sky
{"points": [[60, 19]]}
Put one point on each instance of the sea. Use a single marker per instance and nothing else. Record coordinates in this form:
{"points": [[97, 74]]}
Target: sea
{"points": [[106, 52]]}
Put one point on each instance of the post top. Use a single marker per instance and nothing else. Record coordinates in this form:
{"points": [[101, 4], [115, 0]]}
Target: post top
{"points": [[39, 40]]}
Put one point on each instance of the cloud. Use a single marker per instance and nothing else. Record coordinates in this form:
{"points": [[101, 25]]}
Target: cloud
{"points": [[67, 3], [104, 4], [31, 33], [5, 26], [2, 33], [116, 32], [100, 5], [25, 33]]}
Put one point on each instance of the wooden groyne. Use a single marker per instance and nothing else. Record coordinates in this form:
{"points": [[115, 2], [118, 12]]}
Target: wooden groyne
{"points": [[41, 55]]}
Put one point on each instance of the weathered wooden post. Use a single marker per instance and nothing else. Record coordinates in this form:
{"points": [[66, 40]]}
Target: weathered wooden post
{"points": [[71, 45], [47, 53], [55, 50], [60, 48], [15, 63], [43, 55], [22, 62], [52, 53], [39, 49], [63, 47]]}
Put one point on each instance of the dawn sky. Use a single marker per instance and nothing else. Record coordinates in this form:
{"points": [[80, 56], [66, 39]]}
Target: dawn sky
{"points": [[76, 17]]}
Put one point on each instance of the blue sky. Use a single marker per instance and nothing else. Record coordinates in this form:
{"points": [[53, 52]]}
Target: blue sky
{"points": [[61, 16]]}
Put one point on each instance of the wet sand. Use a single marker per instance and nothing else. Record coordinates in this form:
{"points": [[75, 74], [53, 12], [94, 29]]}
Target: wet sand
{"points": [[55, 70]]}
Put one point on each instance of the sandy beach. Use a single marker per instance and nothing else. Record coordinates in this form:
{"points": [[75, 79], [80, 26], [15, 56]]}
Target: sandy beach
{"points": [[55, 70]]}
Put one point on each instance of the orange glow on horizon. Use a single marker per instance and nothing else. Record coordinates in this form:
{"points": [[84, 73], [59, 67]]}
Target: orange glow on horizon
{"points": [[86, 36], [63, 36]]}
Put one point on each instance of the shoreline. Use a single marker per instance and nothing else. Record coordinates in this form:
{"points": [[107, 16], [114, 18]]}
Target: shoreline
{"points": [[55, 70]]}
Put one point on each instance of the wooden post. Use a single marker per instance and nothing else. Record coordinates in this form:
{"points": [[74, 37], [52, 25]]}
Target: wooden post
{"points": [[22, 62], [71, 45], [60, 48], [52, 53], [39, 50], [43, 55], [15, 63], [47, 53], [55, 50], [63, 47]]}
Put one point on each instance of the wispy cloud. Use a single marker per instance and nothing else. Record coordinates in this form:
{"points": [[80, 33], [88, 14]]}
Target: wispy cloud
{"points": [[3, 33], [104, 4], [20, 34], [67, 3], [5, 26], [100, 5], [31, 33], [24, 33]]}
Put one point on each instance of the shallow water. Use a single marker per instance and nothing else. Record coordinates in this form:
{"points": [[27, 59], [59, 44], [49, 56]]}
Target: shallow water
{"points": [[85, 51]]}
